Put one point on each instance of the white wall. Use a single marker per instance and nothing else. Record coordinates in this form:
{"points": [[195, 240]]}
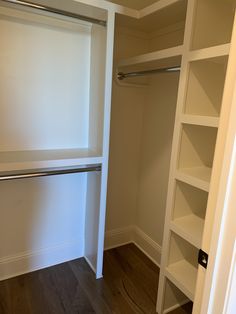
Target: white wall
{"points": [[141, 137], [157, 133], [42, 222], [126, 126], [44, 86]]}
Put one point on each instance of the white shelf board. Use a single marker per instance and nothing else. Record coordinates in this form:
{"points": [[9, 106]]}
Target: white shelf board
{"points": [[189, 228], [198, 177], [36, 159], [170, 57], [212, 52], [200, 120], [184, 276]]}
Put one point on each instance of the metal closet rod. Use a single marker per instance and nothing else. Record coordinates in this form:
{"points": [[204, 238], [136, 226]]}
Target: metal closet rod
{"points": [[121, 76], [45, 8], [10, 175]]}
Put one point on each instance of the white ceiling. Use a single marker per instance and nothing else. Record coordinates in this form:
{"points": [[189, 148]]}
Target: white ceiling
{"points": [[134, 4]]}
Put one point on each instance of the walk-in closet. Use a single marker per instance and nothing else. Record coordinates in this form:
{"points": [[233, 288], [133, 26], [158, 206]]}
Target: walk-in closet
{"points": [[170, 69], [114, 123]]}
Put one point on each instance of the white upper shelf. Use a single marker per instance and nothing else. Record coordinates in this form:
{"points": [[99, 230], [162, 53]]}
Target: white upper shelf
{"points": [[158, 59], [198, 177], [190, 228], [36, 159], [211, 52], [200, 120]]}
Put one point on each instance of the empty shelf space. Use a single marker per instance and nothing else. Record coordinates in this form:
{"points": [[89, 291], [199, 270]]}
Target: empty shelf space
{"points": [[184, 276], [200, 120], [35, 159], [190, 228], [205, 86], [182, 265], [196, 155], [163, 58], [188, 217], [212, 52], [198, 177], [213, 23]]}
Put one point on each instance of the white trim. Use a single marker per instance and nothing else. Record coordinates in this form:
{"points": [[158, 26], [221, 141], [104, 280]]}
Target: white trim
{"points": [[118, 237], [175, 307], [90, 264], [26, 262], [148, 246], [132, 234]]}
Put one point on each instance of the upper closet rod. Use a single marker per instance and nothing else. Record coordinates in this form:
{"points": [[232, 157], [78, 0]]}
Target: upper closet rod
{"points": [[121, 76], [13, 175], [57, 11]]}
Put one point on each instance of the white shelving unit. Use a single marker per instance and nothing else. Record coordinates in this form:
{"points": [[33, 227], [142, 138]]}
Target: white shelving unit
{"points": [[55, 95], [202, 88]]}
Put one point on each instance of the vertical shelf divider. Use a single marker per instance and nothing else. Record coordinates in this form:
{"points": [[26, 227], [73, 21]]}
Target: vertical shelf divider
{"points": [[175, 153]]}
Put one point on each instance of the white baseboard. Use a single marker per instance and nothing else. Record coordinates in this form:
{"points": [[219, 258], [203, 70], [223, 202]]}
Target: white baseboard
{"points": [[118, 237], [27, 262], [175, 307], [133, 234], [149, 247]]}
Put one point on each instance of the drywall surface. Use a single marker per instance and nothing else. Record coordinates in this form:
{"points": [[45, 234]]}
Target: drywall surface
{"points": [[142, 125], [126, 127], [156, 144]]}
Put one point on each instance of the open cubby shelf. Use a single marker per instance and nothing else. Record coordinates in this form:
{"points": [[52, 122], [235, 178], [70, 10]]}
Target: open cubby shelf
{"points": [[190, 228], [196, 155], [205, 87], [213, 23], [189, 212], [182, 265]]}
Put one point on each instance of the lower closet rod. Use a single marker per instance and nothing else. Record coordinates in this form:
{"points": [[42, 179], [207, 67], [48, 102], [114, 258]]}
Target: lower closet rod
{"points": [[45, 8], [10, 175], [121, 76]]}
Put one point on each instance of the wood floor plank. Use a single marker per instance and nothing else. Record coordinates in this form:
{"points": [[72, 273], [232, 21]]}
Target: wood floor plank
{"points": [[137, 269], [96, 290], [129, 286]]}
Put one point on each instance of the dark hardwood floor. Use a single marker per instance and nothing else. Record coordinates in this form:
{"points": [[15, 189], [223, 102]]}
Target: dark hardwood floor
{"points": [[129, 286]]}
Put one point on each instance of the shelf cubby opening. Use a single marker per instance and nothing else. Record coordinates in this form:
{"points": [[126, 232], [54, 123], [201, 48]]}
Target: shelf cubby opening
{"points": [[197, 149], [189, 212], [213, 23], [182, 265], [175, 298], [205, 86], [160, 28]]}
